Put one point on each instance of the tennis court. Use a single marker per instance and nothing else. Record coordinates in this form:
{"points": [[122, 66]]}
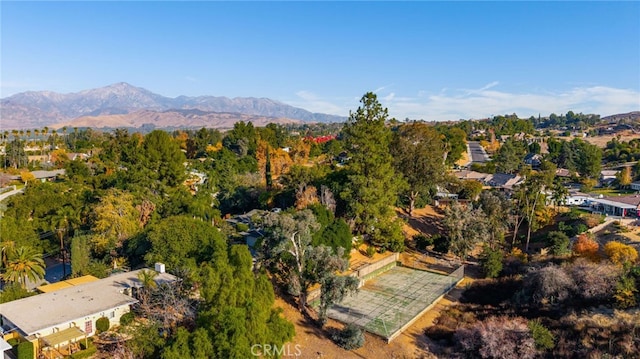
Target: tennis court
{"points": [[387, 303]]}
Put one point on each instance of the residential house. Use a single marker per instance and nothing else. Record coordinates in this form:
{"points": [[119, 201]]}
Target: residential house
{"points": [[42, 176], [578, 199], [635, 186], [77, 156], [4, 349], [533, 159], [563, 172], [58, 318], [623, 206], [607, 177], [471, 175], [503, 181]]}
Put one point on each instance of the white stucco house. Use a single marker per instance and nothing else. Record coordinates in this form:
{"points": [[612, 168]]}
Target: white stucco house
{"points": [[59, 317]]}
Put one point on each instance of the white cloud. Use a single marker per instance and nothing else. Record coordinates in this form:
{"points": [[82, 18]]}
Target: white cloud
{"points": [[482, 103], [389, 97], [448, 104], [312, 102]]}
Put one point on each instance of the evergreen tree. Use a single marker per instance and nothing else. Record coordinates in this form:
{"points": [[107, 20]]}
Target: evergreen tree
{"points": [[418, 152], [372, 186]]}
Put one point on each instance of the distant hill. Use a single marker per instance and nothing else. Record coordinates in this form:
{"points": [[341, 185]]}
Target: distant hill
{"points": [[630, 117], [44, 108], [171, 119]]}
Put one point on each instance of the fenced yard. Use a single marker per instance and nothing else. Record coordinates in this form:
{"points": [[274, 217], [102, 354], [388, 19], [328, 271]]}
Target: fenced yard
{"points": [[389, 303]]}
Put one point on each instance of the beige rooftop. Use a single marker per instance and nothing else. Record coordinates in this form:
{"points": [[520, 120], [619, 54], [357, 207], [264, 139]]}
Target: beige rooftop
{"points": [[46, 310]]}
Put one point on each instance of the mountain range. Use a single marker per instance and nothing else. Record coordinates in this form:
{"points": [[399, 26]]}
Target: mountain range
{"points": [[124, 105]]}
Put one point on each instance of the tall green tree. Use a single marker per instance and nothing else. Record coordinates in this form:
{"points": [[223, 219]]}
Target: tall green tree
{"points": [[510, 156], [242, 139], [418, 153], [497, 209], [180, 241], [15, 156], [289, 253], [530, 197], [164, 158], [80, 256], [372, 186], [465, 228]]}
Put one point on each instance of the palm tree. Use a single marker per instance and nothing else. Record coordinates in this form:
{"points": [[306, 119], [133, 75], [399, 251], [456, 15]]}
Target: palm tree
{"points": [[148, 280], [45, 130], [75, 139], [64, 219], [6, 251], [25, 263]]}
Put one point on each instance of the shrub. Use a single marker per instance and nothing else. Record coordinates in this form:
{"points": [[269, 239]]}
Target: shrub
{"points": [[370, 251], [592, 220], [558, 243], [580, 228], [549, 284], [87, 351], [541, 335], [422, 241], [626, 292], [242, 227], [127, 318], [491, 262], [102, 324], [594, 282], [586, 247], [441, 244], [491, 292], [13, 291], [25, 350], [497, 338], [349, 338], [620, 253]]}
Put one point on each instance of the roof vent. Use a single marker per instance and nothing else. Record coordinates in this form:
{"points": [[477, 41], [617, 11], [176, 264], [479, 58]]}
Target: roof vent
{"points": [[159, 267]]}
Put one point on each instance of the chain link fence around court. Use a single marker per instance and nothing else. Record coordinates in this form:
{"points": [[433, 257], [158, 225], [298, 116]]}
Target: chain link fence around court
{"points": [[386, 305]]}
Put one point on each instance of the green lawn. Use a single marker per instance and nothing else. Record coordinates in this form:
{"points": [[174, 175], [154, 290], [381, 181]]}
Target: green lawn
{"points": [[611, 191]]}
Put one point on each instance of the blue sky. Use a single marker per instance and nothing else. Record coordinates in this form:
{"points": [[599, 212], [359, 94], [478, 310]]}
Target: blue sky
{"points": [[425, 60]]}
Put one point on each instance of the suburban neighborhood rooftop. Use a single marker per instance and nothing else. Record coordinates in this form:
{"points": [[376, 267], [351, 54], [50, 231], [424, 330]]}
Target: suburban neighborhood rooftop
{"points": [[45, 310]]}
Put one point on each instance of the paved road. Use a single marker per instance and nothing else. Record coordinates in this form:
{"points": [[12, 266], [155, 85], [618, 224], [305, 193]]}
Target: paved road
{"points": [[478, 154], [10, 193]]}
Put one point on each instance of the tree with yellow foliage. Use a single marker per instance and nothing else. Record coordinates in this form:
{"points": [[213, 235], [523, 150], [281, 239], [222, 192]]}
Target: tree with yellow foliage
{"points": [[27, 177], [59, 157], [620, 253]]}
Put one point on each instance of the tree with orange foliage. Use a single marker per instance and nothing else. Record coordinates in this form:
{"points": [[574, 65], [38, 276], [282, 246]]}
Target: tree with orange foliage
{"points": [[181, 138], [306, 195], [586, 247], [280, 162], [620, 253], [299, 151]]}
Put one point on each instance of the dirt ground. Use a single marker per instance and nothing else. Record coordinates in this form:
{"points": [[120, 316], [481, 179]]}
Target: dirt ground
{"points": [[464, 160], [601, 141], [313, 342], [424, 220]]}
